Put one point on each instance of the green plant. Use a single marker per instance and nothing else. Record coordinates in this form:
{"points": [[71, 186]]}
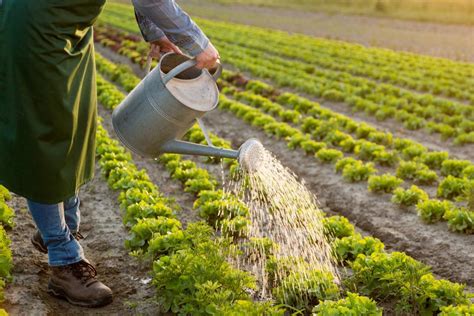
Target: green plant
{"points": [[352, 305], [408, 170], [405, 280], [460, 220], [385, 183], [432, 211], [358, 171], [337, 227], [4, 194], [425, 177], [468, 173], [329, 155], [452, 187], [304, 289], [343, 162], [6, 262], [434, 159], [311, 146], [144, 230], [367, 150], [465, 138], [413, 151], [459, 310], [199, 281], [410, 196], [142, 209], [6, 214], [165, 244], [453, 167], [348, 248]]}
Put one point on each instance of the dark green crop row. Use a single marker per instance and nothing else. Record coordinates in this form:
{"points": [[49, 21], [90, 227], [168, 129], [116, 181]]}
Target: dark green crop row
{"points": [[360, 253]]}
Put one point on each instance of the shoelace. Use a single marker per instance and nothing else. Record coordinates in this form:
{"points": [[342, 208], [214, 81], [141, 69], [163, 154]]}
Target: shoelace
{"points": [[78, 236], [83, 270]]}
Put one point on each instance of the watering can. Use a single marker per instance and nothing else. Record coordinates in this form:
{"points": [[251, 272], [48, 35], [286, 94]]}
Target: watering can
{"points": [[154, 116]]}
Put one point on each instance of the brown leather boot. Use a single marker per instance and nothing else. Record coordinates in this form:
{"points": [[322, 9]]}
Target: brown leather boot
{"points": [[38, 242], [78, 284]]}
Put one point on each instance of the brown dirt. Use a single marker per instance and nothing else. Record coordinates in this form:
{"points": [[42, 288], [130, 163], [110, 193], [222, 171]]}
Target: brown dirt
{"points": [[450, 254], [103, 244]]}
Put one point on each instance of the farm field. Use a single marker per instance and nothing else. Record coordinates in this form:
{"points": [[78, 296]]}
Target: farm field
{"points": [[384, 139]]}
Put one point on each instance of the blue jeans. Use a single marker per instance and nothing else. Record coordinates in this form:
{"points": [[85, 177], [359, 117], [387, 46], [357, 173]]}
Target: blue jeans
{"points": [[56, 223]]}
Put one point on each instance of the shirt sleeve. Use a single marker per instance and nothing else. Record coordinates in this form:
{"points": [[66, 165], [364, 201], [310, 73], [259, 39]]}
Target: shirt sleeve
{"points": [[149, 30], [175, 23]]}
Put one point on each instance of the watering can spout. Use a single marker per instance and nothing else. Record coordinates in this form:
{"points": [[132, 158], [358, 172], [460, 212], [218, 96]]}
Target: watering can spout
{"points": [[188, 148]]}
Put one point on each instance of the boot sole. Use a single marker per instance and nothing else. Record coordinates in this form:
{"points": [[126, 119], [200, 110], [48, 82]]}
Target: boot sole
{"points": [[38, 246], [60, 293]]}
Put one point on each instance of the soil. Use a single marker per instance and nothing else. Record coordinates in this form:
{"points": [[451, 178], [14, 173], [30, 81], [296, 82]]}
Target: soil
{"points": [[103, 245], [450, 254]]}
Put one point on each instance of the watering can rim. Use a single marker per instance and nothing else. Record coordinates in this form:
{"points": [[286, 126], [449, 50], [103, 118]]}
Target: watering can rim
{"points": [[183, 66]]}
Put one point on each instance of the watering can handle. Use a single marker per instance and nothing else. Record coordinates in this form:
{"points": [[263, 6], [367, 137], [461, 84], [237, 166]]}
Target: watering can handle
{"points": [[186, 65]]}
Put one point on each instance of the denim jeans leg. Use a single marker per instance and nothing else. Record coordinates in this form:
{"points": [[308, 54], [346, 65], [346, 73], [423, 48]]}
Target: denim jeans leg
{"points": [[63, 248], [72, 213]]}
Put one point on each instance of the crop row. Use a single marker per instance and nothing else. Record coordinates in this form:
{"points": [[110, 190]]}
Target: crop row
{"points": [[222, 211], [6, 221], [423, 73], [382, 101], [320, 133], [364, 255], [190, 271], [344, 61], [459, 219]]}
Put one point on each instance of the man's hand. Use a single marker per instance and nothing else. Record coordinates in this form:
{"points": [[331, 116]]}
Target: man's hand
{"points": [[163, 45], [208, 57]]}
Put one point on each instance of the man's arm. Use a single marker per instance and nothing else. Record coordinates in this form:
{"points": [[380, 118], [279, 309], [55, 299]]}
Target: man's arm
{"points": [[175, 24], [150, 31]]}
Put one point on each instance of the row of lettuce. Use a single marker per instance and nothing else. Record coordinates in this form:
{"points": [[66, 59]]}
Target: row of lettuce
{"points": [[373, 268], [6, 222], [421, 73], [415, 111], [327, 135]]}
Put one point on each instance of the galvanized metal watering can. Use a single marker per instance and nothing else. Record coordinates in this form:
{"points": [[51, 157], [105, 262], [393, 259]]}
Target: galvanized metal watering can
{"points": [[165, 105]]}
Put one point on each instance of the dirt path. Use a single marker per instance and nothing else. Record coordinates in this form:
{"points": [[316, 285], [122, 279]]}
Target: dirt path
{"points": [[451, 255], [101, 224], [441, 40]]}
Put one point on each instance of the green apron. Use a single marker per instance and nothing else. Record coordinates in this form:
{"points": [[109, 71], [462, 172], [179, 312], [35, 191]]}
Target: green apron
{"points": [[47, 97]]}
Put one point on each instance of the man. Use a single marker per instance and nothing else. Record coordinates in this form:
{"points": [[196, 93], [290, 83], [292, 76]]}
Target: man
{"points": [[48, 119]]}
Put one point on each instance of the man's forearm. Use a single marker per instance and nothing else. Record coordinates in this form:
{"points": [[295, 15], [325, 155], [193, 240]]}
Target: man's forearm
{"points": [[149, 30], [175, 23]]}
